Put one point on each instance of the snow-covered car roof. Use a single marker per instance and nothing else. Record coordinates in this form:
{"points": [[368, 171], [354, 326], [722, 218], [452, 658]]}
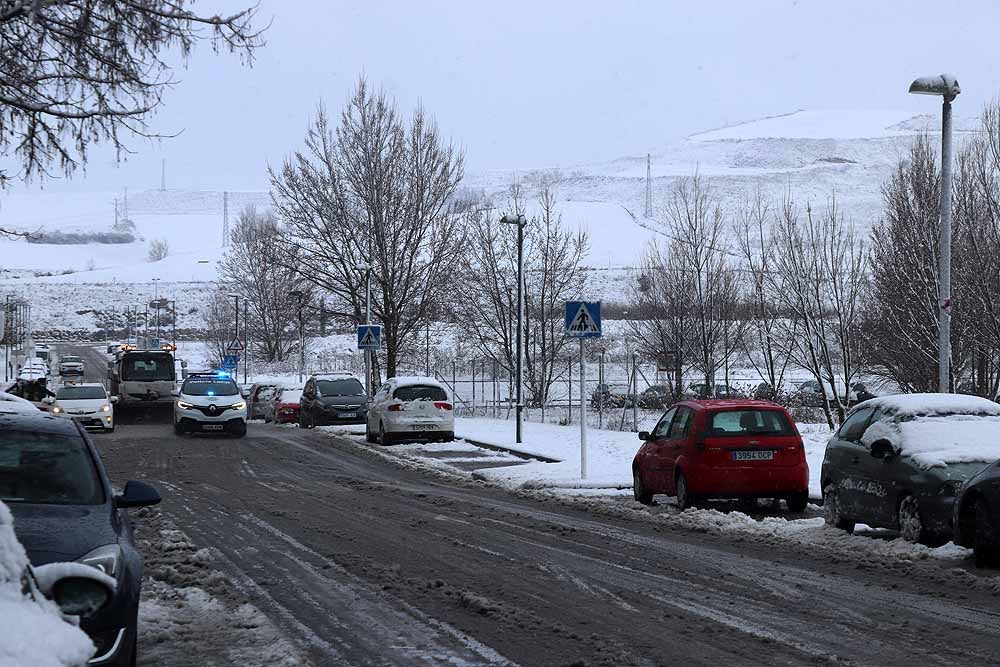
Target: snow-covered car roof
{"points": [[34, 632], [934, 404], [9, 403], [410, 380]]}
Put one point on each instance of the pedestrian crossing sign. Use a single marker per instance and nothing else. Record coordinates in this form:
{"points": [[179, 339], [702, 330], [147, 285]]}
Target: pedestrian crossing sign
{"points": [[583, 319], [369, 337]]}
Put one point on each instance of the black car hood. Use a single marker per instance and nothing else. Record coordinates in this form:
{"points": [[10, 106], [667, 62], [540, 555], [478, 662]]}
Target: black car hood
{"points": [[52, 533], [344, 400]]}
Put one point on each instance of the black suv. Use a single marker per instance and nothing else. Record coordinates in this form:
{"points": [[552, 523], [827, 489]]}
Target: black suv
{"points": [[335, 398]]}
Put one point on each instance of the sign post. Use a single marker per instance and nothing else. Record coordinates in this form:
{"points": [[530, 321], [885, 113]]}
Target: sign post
{"points": [[583, 320], [369, 338]]}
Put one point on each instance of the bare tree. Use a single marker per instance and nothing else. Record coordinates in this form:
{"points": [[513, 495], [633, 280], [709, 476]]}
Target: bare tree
{"points": [[219, 317], [765, 345], [258, 267], [78, 72], [375, 191], [159, 249]]}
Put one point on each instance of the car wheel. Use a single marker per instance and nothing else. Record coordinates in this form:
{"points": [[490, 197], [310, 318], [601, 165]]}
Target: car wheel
{"points": [[685, 499], [178, 429], [241, 430], [639, 489], [831, 510], [797, 502], [986, 541], [369, 436], [302, 420], [911, 525], [383, 437]]}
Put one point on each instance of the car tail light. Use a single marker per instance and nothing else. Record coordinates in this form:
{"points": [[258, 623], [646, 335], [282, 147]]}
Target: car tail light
{"points": [[443, 406], [395, 407]]}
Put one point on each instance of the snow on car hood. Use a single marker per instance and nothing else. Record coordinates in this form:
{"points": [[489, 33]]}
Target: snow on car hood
{"points": [[34, 632], [939, 441], [934, 404]]}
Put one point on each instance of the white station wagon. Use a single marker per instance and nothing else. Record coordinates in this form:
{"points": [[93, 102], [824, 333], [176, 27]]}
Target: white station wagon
{"points": [[410, 408]]}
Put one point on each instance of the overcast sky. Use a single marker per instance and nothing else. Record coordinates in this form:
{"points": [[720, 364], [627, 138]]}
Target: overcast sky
{"points": [[524, 84]]}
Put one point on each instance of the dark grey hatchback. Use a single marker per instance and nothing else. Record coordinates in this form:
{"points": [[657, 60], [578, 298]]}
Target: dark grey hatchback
{"points": [[336, 398], [52, 479], [898, 462]]}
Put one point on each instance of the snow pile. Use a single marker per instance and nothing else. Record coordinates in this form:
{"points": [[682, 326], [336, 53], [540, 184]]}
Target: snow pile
{"points": [[33, 631], [938, 441], [814, 439]]}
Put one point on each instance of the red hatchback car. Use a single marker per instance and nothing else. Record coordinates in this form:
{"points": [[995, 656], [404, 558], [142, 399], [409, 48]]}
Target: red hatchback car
{"points": [[739, 448]]}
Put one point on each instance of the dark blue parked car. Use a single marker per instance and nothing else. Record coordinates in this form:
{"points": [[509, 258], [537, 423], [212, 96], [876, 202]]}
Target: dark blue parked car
{"points": [[52, 479], [977, 516]]}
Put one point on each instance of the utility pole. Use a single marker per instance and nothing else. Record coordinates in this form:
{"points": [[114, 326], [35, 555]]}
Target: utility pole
{"points": [[246, 342], [649, 186], [116, 212], [225, 219], [126, 202], [163, 174]]}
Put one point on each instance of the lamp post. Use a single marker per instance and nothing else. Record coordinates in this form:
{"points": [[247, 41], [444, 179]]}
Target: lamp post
{"points": [[236, 336], [519, 220], [302, 348], [156, 300], [947, 87], [368, 320]]}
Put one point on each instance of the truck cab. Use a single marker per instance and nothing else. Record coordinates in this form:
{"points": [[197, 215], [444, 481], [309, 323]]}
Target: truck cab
{"points": [[142, 375]]}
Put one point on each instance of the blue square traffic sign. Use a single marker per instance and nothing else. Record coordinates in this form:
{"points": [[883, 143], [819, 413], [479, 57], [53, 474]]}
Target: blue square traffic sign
{"points": [[369, 337], [583, 319]]}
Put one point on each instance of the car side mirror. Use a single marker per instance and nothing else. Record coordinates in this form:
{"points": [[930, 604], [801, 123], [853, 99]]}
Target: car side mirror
{"points": [[48, 400], [77, 589], [882, 449], [644, 435], [113, 399], [175, 392], [137, 494]]}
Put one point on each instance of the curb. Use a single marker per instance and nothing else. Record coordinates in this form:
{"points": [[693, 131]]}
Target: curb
{"points": [[512, 452]]}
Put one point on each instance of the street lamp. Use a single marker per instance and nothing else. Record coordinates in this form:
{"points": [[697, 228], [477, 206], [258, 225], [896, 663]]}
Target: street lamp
{"points": [[519, 220], [302, 348], [236, 336], [947, 87], [368, 320], [156, 299]]}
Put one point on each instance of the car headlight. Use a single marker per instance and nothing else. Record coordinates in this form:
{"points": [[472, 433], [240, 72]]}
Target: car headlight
{"points": [[56, 409], [106, 407], [106, 559], [184, 405], [239, 406]]}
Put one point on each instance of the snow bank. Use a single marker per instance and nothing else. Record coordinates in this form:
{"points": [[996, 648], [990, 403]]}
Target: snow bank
{"points": [[33, 631]]}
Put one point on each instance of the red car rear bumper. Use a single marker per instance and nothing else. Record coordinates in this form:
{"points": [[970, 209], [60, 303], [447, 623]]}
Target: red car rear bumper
{"points": [[286, 416], [751, 479]]}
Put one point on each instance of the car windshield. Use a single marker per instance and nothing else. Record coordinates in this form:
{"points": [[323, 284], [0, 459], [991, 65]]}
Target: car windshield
{"points": [[210, 386], [70, 359], [80, 393], [420, 392], [47, 468], [290, 396], [345, 387], [733, 423], [148, 368]]}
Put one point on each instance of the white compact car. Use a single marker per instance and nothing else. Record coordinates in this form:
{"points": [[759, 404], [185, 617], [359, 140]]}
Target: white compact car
{"points": [[70, 365], [210, 403], [410, 408], [87, 403]]}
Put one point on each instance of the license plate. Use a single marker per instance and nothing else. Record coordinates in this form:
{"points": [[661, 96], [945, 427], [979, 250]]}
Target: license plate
{"points": [[212, 427], [754, 455], [348, 415], [423, 427]]}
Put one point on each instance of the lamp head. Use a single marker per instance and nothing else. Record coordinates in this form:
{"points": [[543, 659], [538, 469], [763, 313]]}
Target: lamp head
{"points": [[944, 85]]}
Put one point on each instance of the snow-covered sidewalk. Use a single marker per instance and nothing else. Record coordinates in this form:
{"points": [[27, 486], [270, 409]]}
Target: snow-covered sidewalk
{"points": [[609, 454]]}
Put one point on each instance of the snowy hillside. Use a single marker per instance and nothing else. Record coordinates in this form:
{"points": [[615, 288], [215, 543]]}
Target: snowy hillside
{"points": [[812, 154]]}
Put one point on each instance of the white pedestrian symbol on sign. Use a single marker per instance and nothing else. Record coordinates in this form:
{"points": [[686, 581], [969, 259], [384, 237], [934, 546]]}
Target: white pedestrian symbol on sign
{"points": [[368, 340], [583, 322]]}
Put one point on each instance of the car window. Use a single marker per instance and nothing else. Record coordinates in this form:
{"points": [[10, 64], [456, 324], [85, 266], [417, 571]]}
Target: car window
{"points": [[47, 468], [751, 422], [681, 423], [420, 392], [345, 387], [663, 427], [210, 387], [80, 393], [854, 427]]}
